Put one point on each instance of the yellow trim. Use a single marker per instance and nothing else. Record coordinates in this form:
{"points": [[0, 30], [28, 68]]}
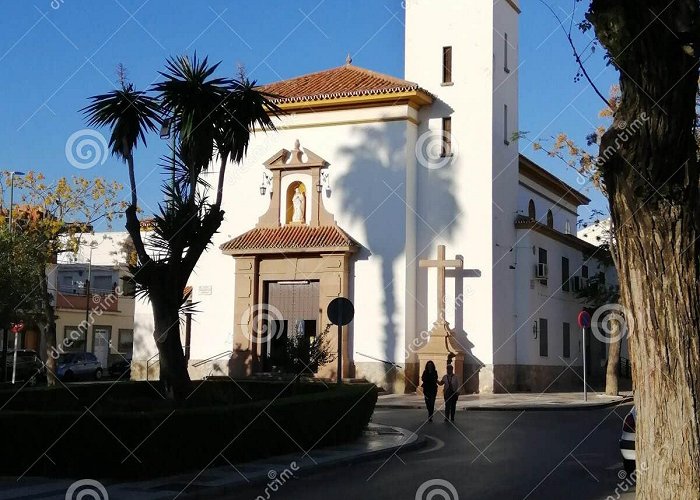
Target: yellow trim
{"points": [[416, 97], [348, 122]]}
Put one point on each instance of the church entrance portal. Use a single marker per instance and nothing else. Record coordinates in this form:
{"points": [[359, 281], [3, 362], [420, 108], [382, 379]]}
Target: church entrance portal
{"points": [[297, 305]]}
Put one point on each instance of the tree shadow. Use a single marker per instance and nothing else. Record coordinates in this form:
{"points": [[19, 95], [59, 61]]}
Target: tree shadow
{"points": [[373, 192]]}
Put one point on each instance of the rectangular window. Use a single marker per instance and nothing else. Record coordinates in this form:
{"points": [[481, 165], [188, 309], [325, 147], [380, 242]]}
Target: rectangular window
{"points": [[447, 65], [73, 340], [566, 351], [584, 271], [506, 140], [542, 261], [505, 53], [544, 338], [126, 340], [446, 136], [565, 276]]}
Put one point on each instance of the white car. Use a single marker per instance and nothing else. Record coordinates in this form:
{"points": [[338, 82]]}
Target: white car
{"points": [[629, 429]]}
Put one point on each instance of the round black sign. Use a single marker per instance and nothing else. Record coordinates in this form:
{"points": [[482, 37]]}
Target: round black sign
{"points": [[340, 311]]}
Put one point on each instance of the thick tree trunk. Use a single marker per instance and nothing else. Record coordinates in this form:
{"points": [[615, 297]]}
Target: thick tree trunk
{"points": [[613, 368], [650, 171]]}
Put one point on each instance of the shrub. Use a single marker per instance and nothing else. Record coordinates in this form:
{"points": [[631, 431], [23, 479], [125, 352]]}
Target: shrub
{"points": [[168, 441]]}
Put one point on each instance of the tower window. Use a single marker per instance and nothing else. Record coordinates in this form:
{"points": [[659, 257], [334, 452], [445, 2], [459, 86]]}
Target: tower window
{"points": [[550, 218], [447, 65], [446, 136], [531, 212], [505, 125], [505, 53]]}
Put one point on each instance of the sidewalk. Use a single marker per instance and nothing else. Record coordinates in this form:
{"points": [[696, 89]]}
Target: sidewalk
{"points": [[377, 440], [514, 401]]}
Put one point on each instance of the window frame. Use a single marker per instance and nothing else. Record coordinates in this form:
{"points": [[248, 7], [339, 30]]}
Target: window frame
{"points": [[565, 274], [544, 337], [447, 65], [566, 339]]}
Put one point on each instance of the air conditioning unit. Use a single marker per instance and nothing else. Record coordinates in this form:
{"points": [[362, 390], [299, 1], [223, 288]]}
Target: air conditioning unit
{"points": [[579, 283], [541, 271]]}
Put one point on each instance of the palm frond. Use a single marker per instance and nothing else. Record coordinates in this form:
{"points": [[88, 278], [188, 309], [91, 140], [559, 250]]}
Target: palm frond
{"points": [[129, 113]]}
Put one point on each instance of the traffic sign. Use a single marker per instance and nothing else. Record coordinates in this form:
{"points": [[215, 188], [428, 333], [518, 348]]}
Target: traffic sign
{"points": [[340, 311], [584, 319]]}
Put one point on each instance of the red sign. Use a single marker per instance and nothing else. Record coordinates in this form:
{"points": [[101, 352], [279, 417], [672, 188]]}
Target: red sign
{"points": [[584, 319]]}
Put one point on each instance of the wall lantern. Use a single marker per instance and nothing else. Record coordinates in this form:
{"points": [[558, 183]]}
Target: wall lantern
{"points": [[267, 181]]}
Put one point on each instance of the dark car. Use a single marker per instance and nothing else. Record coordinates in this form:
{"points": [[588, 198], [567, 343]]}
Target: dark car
{"points": [[78, 365], [29, 369], [121, 367]]}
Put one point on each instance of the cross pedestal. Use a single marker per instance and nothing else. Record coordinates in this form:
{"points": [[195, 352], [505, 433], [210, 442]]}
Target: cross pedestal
{"points": [[442, 347]]}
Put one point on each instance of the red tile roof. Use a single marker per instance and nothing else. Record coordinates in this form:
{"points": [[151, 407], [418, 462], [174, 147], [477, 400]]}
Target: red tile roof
{"points": [[343, 81], [291, 238]]}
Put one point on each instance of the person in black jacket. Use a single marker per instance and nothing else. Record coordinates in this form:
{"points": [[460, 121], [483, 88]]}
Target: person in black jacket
{"points": [[429, 385]]}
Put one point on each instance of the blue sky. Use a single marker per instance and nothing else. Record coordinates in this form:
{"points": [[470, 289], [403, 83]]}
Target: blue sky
{"points": [[56, 53]]}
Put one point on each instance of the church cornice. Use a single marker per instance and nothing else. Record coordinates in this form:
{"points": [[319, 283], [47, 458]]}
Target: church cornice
{"points": [[413, 98]]}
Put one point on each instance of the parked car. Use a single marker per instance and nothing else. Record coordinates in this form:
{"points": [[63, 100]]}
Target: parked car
{"points": [[629, 430], [78, 365], [30, 368], [121, 367]]}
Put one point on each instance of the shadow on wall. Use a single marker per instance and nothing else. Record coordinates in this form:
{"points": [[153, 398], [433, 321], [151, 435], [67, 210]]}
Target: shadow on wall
{"points": [[373, 193], [463, 291]]}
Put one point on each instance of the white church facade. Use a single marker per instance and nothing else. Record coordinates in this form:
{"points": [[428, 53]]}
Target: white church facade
{"points": [[366, 176]]}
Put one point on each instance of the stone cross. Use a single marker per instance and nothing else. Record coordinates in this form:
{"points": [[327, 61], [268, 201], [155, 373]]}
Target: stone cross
{"points": [[441, 264]]}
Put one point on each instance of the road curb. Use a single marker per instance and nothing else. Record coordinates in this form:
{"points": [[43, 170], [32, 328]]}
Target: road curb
{"points": [[414, 442], [524, 407]]}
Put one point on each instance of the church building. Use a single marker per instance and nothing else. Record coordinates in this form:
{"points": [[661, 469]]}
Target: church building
{"points": [[409, 197]]}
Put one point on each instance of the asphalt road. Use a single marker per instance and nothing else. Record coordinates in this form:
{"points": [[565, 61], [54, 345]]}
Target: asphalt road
{"points": [[570, 454]]}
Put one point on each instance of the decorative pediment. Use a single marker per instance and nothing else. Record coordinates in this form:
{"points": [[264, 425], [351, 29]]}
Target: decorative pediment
{"points": [[294, 159], [297, 190]]}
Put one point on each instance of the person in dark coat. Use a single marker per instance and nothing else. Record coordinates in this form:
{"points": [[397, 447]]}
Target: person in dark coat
{"points": [[451, 383], [429, 385]]}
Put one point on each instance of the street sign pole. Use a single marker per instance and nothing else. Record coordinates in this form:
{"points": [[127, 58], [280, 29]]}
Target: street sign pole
{"points": [[585, 385], [584, 321], [340, 347]]}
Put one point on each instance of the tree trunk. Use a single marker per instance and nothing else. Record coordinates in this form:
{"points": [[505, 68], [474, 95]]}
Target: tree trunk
{"points": [[132, 179], [49, 330], [173, 366], [650, 172], [613, 369]]}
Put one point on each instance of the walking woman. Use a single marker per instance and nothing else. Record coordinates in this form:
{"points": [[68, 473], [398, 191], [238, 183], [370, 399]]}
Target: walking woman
{"points": [[429, 385]]}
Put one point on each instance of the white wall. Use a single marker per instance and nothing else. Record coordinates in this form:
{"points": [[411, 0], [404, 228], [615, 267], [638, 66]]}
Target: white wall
{"points": [[367, 180]]}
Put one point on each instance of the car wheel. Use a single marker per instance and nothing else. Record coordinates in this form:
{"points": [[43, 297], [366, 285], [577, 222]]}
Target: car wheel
{"points": [[98, 374], [630, 466]]}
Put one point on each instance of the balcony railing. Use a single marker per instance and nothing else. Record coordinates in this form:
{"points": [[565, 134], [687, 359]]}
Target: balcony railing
{"points": [[103, 300]]}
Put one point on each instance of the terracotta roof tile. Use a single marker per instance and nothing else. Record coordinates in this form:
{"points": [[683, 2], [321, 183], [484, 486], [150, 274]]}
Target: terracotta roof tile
{"points": [[343, 81], [289, 238]]}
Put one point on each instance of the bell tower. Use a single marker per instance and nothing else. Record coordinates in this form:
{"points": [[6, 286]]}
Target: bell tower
{"points": [[465, 53]]}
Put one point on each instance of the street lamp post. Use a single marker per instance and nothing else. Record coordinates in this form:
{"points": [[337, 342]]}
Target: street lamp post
{"points": [[12, 192]]}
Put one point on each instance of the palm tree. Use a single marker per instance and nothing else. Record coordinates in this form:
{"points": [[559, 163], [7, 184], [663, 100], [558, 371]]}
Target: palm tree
{"points": [[130, 114], [209, 115]]}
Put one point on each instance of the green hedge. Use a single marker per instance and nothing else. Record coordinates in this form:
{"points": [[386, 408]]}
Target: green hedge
{"points": [[171, 441], [126, 396]]}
